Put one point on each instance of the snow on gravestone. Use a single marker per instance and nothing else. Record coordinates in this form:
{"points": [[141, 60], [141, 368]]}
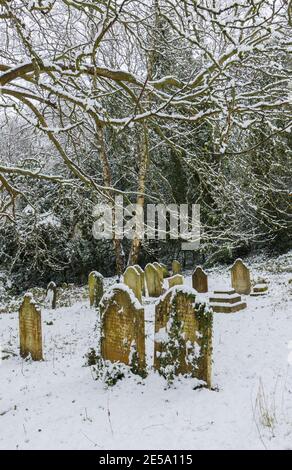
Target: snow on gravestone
{"points": [[95, 284], [30, 329], [176, 267], [122, 328], [51, 295], [183, 335], [176, 280], [153, 281], [142, 277], [259, 289], [240, 277], [132, 279], [200, 280]]}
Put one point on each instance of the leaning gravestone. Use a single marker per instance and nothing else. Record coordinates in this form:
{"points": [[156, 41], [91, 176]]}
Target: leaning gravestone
{"points": [[240, 277], [142, 277], [132, 279], [122, 328], [51, 295], [30, 329], [176, 267], [183, 336], [95, 284], [176, 280], [153, 281], [200, 280]]}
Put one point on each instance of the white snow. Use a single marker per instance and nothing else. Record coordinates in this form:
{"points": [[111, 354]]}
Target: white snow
{"points": [[186, 289], [56, 404], [47, 219], [111, 292], [227, 296], [260, 286]]}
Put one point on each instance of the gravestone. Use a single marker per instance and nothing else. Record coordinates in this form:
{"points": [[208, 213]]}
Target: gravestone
{"points": [[183, 336], [153, 281], [259, 290], [164, 270], [142, 277], [226, 301], [30, 329], [95, 284], [175, 280], [51, 295], [176, 267], [159, 269], [200, 280], [132, 279], [240, 277], [122, 328]]}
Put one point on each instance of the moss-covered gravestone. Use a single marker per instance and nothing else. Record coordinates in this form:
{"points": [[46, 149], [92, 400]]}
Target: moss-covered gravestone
{"points": [[200, 280], [122, 328], [142, 277], [95, 284], [240, 277], [176, 267], [30, 329], [176, 280], [51, 295], [132, 279], [183, 336], [153, 281]]}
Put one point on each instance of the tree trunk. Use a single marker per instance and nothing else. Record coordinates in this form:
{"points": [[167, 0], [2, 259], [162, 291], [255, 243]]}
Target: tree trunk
{"points": [[144, 147], [144, 158], [118, 247]]}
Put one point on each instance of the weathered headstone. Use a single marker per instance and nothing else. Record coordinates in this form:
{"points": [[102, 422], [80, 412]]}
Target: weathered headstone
{"points": [[240, 277], [165, 270], [132, 279], [142, 277], [51, 295], [176, 280], [95, 284], [226, 301], [200, 280], [259, 290], [153, 281], [183, 336], [30, 329], [122, 328], [176, 267], [159, 269]]}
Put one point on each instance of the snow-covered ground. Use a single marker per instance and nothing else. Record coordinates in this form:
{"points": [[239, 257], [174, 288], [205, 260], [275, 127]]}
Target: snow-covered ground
{"points": [[56, 404]]}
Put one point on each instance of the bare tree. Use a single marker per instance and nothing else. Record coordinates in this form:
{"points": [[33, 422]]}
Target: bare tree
{"points": [[77, 72]]}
